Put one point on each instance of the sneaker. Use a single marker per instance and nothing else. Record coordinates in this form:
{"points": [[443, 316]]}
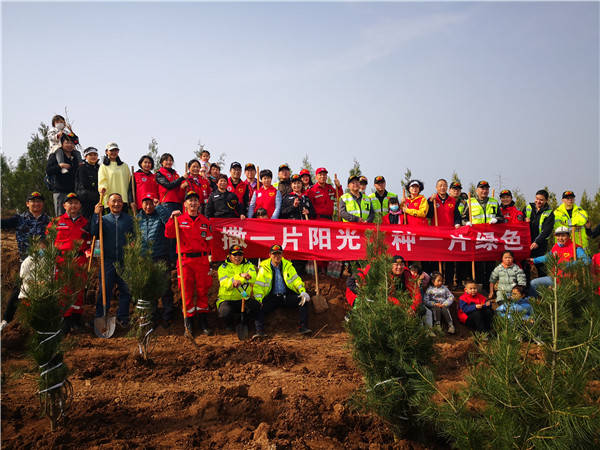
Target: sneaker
{"points": [[63, 171], [260, 334], [347, 317], [304, 330], [451, 329], [3, 324]]}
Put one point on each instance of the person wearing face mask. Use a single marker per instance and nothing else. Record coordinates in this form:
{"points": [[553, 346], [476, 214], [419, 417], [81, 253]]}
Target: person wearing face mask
{"points": [[395, 215], [86, 182], [59, 127], [568, 214]]}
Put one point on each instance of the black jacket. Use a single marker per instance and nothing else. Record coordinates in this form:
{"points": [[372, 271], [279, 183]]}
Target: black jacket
{"points": [[289, 211], [541, 239], [86, 187], [63, 182], [223, 204]]}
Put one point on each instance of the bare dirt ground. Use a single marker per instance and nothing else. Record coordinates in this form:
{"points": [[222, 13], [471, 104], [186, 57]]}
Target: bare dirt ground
{"points": [[284, 392]]}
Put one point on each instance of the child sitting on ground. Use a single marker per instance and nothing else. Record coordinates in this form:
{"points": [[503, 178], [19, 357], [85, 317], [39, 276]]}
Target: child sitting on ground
{"points": [[519, 304], [474, 309], [438, 299], [58, 128], [422, 278]]}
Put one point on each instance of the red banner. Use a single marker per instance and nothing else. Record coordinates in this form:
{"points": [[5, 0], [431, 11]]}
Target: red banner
{"points": [[343, 241]]}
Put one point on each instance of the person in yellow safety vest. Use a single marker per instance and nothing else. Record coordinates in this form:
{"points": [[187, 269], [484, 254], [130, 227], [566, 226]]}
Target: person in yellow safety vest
{"points": [[355, 206], [484, 208], [570, 215], [364, 182], [278, 285], [236, 278], [541, 223], [380, 198]]}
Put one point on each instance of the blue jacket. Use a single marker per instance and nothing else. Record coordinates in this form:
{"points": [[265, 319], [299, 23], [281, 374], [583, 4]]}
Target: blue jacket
{"points": [[152, 228], [520, 306], [27, 227], [115, 234]]}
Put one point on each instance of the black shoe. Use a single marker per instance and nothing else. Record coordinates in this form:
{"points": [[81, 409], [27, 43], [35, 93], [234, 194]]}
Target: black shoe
{"points": [[189, 325], [304, 330], [260, 334], [203, 325]]}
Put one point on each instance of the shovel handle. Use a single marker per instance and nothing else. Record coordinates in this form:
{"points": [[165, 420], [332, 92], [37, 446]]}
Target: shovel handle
{"points": [[180, 264], [471, 222], [133, 189], [102, 270], [315, 264], [89, 264]]}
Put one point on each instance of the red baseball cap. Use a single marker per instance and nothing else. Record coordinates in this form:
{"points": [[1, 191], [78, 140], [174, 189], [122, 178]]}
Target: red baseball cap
{"points": [[321, 169], [304, 172]]}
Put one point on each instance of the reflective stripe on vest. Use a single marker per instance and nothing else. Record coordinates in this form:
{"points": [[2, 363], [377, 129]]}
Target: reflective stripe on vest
{"points": [[377, 206], [481, 215], [545, 214], [353, 207]]}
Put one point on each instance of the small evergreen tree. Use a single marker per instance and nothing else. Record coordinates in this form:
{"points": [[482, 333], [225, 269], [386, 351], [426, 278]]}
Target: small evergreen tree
{"points": [[407, 178], [519, 199], [552, 200], [308, 166], [153, 151], [147, 281], [389, 344], [455, 178], [49, 292]]}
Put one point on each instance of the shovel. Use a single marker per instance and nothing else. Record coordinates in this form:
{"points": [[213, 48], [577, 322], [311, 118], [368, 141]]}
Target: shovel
{"points": [[319, 302], [104, 327], [242, 327]]}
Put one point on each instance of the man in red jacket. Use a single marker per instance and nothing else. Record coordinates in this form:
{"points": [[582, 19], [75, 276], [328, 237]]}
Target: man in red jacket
{"points": [[195, 234], [323, 196], [72, 233], [509, 210]]}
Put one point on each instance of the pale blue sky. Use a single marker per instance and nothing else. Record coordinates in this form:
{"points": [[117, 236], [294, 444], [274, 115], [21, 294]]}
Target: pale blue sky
{"points": [[485, 89]]}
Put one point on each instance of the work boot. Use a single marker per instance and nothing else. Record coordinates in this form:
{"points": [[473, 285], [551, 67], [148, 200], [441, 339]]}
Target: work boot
{"points": [[304, 330], [202, 323], [260, 334], [189, 326], [451, 329]]}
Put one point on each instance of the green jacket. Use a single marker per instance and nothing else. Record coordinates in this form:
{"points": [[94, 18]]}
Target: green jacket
{"points": [[578, 219], [229, 272], [264, 279]]}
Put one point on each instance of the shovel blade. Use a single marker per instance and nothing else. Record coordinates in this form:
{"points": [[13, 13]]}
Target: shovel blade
{"points": [[104, 327], [319, 304], [242, 331]]}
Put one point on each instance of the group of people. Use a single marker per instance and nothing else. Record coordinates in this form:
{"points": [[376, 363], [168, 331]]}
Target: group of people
{"points": [[85, 189]]}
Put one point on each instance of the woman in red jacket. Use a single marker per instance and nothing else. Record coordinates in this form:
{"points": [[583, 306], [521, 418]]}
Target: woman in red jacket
{"points": [[145, 181]]}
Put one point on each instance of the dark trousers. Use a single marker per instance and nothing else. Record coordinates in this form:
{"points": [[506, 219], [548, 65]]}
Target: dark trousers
{"points": [[167, 298], [13, 303], [480, 319], [483, 271], [164, 210], [289, 300], [124, 296], [228, 309]]}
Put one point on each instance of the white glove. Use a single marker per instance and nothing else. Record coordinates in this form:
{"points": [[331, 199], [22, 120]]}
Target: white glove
{"points": [[493, 220], [304, 297], [457, 225], [468, 224]]}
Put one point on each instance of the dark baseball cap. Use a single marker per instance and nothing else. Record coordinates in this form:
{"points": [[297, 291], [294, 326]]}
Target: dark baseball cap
{"points": [[249, 166], [71, 196], [483, 184], [191, 194], [505, 192], [276, 249], [284, 166], [35, 195], [353, 178], [296, 177], [236, 250], [363, 180], [379, 179], [455, 185], [568, 194], [235, 165]]}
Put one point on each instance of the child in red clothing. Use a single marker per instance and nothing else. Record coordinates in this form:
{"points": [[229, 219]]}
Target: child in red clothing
{"points": [[395, 216], [474, 309]]}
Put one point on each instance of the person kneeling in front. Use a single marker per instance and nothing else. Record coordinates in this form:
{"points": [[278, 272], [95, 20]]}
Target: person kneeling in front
{"points": [[278, 284], [236, 278]]}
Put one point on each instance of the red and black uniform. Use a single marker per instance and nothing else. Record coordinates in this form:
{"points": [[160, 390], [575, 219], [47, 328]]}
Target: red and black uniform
{"points": [[195, 234], [242, 192], [71, 232], [512, 214], [393, 219], [145, 183], [265, 198], [322, 198], [448, 214], [200, 186], [169, 186], [403, 282]]}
